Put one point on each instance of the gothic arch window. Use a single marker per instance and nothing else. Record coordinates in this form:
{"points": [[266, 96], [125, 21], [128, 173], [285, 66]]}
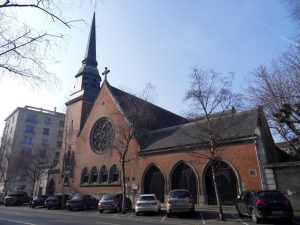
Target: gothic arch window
{"points": [[51, 187], [114, 174], [94, 175], [226, 181], [84, 176], [154, 182], [103, 175], [184, 177]]}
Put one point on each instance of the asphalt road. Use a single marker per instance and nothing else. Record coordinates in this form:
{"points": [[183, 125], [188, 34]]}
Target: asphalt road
{"points": [[23, 215]]}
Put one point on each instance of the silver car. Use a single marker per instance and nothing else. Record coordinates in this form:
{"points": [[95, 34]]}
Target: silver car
{"points": [[180, 201]]}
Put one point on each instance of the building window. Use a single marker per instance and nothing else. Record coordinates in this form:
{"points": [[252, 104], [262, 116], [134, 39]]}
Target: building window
{"points": [[60, 134], [31, 118], [103, 175], [59, 144], [61, 123], [27, 150], [57, 155], [113, 174], [46, 131], [47, 120], [252, 173], [85, 176], [27, 141], [94, 175], [44, 141], [29, 129]]}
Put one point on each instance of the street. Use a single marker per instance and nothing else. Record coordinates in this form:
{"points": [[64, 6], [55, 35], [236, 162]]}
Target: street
{"points": [[18, 215]]}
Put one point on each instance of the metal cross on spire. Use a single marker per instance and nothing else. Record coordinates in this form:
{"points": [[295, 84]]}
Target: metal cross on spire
{"points": [[105, 72]]}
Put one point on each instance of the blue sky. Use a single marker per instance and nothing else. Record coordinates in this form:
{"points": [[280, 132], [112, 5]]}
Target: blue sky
{"points": [[159, 41]]}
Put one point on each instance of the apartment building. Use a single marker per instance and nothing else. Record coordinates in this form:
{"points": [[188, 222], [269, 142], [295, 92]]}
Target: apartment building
{"points": [[30, 130]]}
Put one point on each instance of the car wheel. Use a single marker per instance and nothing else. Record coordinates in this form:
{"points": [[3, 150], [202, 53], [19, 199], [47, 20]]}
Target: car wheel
{"points": [[85, 207], [254, 217], [137, 213], [129, 206], [192, 213], [118, 209], [169, 214], [290, 220], [101, 211], [239, 212]]}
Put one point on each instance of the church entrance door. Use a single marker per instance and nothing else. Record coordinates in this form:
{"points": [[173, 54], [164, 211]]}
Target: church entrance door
{"points": [[154, 183], [226, 181], [184, 177]]}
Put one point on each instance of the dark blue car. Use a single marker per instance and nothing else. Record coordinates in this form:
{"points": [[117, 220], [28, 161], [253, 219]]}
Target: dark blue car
{"points": [[262, 204]]}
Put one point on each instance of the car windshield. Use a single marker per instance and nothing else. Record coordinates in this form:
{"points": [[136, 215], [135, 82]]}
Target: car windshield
{"points": [[107, 197], [179, 194], [78, 197], [270, 195], [146, 198], [53, 198], [14, 194]]}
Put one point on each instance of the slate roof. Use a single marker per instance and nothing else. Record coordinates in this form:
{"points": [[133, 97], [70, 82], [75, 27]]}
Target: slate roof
{"points": [[230, 127], [160, 118]]}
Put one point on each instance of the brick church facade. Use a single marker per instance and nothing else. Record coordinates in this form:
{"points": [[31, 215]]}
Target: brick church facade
{"points": [[164, 156]]}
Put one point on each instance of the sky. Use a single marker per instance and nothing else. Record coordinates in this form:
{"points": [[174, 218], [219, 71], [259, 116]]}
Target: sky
{"points": [[157, 42]]}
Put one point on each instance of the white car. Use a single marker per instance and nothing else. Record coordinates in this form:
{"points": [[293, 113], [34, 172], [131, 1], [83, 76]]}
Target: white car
{"points": [[147, 203]]}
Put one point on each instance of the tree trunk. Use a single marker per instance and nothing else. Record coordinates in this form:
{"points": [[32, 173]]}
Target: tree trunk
{"points": [[124, 188], [219, 204]]}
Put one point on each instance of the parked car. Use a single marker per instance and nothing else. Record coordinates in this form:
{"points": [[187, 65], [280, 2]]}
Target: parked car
{"points": [[264, 205], [180, 201], [55, 202], [82, 201], [16, 198], [113, 202], [2, 197], [147, 203], [39, 201]]}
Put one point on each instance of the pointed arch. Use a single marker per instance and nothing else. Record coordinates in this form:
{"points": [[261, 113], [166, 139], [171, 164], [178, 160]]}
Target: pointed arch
{"points": [[103, 175], [227, 181], [84, 176], [114, 174], [51, 187], [183, 176], [154, 182], [94, 175]]}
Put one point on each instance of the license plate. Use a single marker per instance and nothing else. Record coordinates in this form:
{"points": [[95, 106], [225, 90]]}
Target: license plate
{"points": [[277, 212]]}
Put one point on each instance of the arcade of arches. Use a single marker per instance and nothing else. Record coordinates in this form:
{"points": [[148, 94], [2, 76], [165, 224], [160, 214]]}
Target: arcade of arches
{"points": [[183, 176]]}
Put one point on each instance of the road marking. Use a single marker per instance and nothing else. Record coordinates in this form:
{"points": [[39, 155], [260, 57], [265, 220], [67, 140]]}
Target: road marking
{"points": [[17, 221], [239, 219], [203, 221], [163, 219], [107, 223], [130, 216]]}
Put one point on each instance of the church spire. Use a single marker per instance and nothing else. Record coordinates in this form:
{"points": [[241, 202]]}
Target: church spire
{"points": [[87, 84], [90, 53]]}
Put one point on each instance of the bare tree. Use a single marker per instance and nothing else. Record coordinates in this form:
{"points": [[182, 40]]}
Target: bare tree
{"points": [[133, 127], [33, 165], [276, 88], [210, 92], [7, 164], [24, 50]]}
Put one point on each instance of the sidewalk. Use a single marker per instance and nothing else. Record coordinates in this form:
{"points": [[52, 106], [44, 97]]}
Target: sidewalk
{"points": [[230, 209]]}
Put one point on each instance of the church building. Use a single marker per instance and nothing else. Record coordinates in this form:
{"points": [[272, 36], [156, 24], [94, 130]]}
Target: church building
{"points": [[163, 154]]}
